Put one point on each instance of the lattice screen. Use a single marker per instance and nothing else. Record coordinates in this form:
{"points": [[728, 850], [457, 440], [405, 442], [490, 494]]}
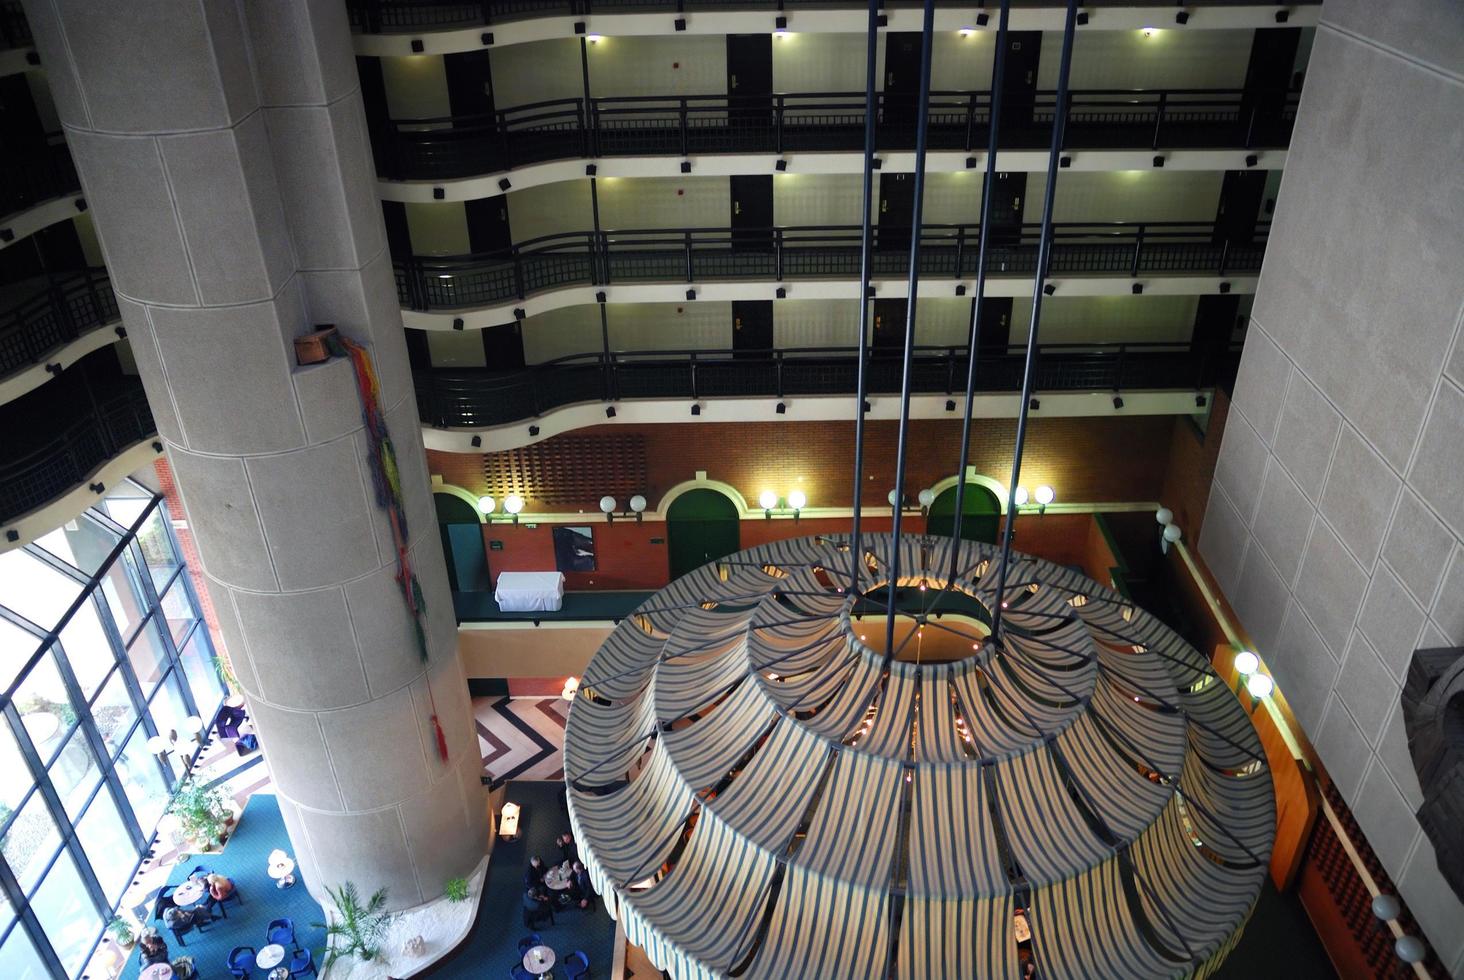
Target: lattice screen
{"points": [[570, 469]]}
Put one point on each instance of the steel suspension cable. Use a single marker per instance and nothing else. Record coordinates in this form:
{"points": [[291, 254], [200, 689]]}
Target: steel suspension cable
{"points": [[1044, 250], [922, 132]]}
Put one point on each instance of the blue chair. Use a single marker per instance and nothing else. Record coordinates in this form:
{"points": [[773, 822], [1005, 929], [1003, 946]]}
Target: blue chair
{"points": [[164, 902], [529, 942], [301, 963], [576, 965], [241, 962], [198, 870], [281, 932], [519, 973]]}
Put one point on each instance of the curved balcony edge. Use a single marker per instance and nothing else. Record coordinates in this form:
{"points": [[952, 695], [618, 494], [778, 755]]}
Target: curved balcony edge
{"points": [[12, 386], [803, 408], [549, 300], [73, 499], [485, 185], [39, 216], [390, 29]]}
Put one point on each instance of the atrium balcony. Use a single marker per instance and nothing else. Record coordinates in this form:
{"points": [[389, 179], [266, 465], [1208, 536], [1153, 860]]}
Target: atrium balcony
{"points": [[47, 325]]}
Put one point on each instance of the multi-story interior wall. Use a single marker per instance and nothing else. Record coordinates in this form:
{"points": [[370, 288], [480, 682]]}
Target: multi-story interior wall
{"points": [[1335, 520]]}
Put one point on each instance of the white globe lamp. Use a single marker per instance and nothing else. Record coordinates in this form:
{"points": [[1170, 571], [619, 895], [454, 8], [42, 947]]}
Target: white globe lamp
{"points": [[513, 503], [486, 504], [607, 504], [797, 499]]}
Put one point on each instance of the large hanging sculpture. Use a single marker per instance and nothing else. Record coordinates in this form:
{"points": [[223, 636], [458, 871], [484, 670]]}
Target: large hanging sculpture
{"points": [[757, 793]]}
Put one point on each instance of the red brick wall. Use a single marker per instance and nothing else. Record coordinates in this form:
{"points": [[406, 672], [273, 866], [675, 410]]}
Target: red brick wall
{"points": [[1186, 486], [186, 545], [1085, 459]]}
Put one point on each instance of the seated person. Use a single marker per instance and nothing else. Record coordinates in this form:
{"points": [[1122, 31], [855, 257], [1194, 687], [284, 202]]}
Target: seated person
{"points": [[534, 873], [183, 968], [152, 947], [567, 847], [220, 889], [580, 887], [181, 920], [536, 906]]}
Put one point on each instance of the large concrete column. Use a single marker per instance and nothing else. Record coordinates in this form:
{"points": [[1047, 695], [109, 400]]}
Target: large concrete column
{"points": [[222, 147]]}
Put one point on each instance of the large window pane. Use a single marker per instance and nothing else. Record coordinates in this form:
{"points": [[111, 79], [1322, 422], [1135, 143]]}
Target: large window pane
{"points": [[67, 915], [15, 776], [178, 610], [30, 842], [125, 502], [34, 589], [149, 659], [44, 707], [203, 676], [18, 958], [123, 596], [83, 543], [75, 774], [142, 781], [16, 647], [108, 845], [157, 547], [168, 712], [113, 712], [87, 649]]}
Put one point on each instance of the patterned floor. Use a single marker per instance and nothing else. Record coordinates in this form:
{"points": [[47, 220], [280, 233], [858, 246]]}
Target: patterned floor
{"points": [[521, 738]]}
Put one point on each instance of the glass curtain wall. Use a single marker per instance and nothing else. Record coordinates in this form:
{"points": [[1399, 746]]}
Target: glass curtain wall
{"points": [[101, 648]]}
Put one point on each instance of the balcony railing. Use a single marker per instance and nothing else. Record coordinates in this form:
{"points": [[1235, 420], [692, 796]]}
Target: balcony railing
{"points": [[69, 306], [814, 252], [15, 32], [387, 16], [463, 146], [28, 177], [469, 399], [33, 478]]}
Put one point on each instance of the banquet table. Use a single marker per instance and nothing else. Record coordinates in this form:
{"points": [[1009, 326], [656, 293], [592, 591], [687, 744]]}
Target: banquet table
{"points": [[529, 591]]}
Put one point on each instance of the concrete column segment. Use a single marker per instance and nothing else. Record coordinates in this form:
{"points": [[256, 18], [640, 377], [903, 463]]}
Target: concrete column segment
{"points": [[223, 150]]}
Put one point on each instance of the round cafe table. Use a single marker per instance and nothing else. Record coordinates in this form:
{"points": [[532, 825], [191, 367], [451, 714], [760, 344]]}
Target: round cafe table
{"points": [[558, 878], [281, 869], [158, 971], [270, 957], [539, 960], [189, 893]]}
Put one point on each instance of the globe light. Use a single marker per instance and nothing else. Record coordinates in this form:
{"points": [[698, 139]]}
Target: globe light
{"points": [[638, 504], [927, 497], [1259, 685], [767, 500], [1022, 497], [1410, 949], [1247, 663], [1044, 495], [893, 498], [571, 688], [1387, 907], [513, 503], [1164, 516], [607, 504], [486, 504], [1172, 533], [797, 499]]}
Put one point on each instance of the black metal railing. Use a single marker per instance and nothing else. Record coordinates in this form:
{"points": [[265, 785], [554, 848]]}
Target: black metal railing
{"points": [[59, 312], [464, 146], [28, 177], [65, 461], [15, 31], [387, 16], [468, 399], [813, 252]]}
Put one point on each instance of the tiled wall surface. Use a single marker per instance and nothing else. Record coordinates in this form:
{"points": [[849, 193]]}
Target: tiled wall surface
{"points": [[1336, 517]]}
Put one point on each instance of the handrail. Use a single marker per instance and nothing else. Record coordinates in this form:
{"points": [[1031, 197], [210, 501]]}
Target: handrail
{"points": [[28, 177], [61, 310], [472, 398], [15, 30], [466, 145], [428, 282]]}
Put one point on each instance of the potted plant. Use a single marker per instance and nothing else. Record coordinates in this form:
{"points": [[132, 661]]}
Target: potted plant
{"points": [[357, 929], [122, 932], [456, 889], [200, 812]]}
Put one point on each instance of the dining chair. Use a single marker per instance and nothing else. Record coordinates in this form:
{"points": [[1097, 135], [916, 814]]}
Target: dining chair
{"points": [[519, 973], [301, 964], [281, 932], [577, 965], [241, 962], [529, 942]]}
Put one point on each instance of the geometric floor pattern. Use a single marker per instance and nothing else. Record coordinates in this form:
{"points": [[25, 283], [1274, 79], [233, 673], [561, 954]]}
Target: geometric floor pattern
{"points": [[521, 738]]}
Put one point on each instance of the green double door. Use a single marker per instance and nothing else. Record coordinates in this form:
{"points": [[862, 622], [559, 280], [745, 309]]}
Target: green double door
{"points": [[701, 526], [979, 522]]}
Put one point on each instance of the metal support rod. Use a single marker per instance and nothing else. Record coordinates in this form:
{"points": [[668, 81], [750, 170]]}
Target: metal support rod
{"points": [[998, 73], [922, 132], [1044, 246], [597, 274], [866, 247]]}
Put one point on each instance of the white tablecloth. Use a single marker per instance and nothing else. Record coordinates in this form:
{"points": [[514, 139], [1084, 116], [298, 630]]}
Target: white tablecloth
{"points": [[529, 591]]}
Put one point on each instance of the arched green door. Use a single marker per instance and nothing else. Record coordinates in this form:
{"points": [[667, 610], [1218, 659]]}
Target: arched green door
{"points": [[701, 526], [980, 521], [462, 543]]}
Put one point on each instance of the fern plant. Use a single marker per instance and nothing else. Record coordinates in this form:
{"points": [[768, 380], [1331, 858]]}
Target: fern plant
{"points": [[358, 928], [456, 889]]}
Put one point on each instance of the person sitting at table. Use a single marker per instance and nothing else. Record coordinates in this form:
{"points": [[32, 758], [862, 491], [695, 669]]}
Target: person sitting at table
{"points": [[537, 907], [152, 947], [181, 920], [580, 888], [220, 889], [567, 847], [534, 873]]}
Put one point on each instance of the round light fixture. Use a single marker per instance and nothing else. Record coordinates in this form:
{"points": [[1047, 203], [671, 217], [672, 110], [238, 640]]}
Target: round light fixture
{"points": [[638, 504], [513, 503], [1044, 495], [1410, 949], [1173, 533], [893, 498], [1164, 516], [571, 688], [797, 499], [1259, 685], [1387, 907], [607, 504], [767, 500], [486, 504], [1247, 663], [927, 497], [1021, 497], [966, 31]]}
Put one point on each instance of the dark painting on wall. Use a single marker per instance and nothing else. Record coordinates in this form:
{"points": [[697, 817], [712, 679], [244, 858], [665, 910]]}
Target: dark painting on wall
{"points": [[574, 549]]}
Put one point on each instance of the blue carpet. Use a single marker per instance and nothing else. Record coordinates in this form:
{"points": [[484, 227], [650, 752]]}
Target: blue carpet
{"points": [[260, 830], [491, 949]]}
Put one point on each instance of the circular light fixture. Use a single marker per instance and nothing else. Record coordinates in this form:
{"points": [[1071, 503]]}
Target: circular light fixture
{"points": [[1410, 949], [513, 503], [607, 504], [1247, 663], [486, 504], [638, 504], [1149, 32], [966, 31], [1173, 533], [1021, 497], [1044, 495], [927, 497], [1164, 516], [1259, 685], [571, 688], [1387, 907], [767, 500], [594, 38], [797, 499], [893, 498]]}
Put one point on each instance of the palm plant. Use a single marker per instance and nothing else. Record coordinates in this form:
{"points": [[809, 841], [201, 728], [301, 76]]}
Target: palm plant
{"points": [[358, 928]]}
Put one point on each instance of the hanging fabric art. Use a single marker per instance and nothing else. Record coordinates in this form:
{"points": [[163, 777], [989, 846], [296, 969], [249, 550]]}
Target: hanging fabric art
{"points": [[386, 480]]}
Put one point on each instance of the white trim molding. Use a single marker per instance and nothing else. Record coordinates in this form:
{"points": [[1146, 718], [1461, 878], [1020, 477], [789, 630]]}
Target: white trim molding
{"points": [[453, 490], [38, 216], [68, 506], [17, 384]]}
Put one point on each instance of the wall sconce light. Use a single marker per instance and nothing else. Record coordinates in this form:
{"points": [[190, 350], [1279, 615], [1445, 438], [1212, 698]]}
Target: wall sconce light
{"points": [[926, 498], [608, 506], [512, 504], [1259, 686], [794, 502], [1247, 663], [1021, 497], [1044, 495], [571, 688], [902, 503], [1172, 531]]}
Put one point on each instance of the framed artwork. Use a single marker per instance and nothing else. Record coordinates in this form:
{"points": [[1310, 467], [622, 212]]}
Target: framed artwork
{"points": [[574, 548]]}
